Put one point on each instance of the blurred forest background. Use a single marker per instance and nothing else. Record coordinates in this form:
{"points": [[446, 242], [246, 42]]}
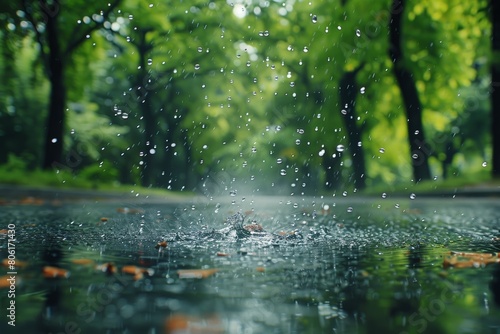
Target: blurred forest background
{"points": [[274, 96]]}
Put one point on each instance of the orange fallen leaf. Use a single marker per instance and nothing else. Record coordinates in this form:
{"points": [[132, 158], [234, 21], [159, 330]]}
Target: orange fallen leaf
{"points": [[222, 254], [161, 244], [469, 259], [82, 261], [6, 281], [196, 273], [54, 272], [181, 323], [134, 270], [104, 219], [18, 263], [260, 269], [4, 231]]}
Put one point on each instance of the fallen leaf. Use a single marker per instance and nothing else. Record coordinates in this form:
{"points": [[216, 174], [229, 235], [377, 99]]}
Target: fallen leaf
{"points": [[54, 272], [82, 261], [196, 273], [18, 263]]}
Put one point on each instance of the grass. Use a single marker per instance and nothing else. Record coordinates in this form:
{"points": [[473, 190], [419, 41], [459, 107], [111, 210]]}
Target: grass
{"points": [[15, 173], [435, 186]]}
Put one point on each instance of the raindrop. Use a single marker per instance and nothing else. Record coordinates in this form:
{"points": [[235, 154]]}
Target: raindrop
{"points": [[415, 156], [200, 49], [362, 90], [254, 149], [344, 193], [321, 153], [340, 148], [358, 33], [292, 84], [360, 144], [339, 28], [283, 172], [343, 112], [233, 193], [152, 151], [150, 61], [124, 115], [306, 49], [197, 66], [384, 195], [349, 209], [279, 160], [297, 142], [314, 19], [417, 132], [382, 150], [54, 140], [413, 196], [484, 164]]}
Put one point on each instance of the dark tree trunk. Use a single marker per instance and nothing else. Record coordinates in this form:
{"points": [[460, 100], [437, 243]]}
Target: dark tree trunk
{"points": [[348, 91], [332, 168], [418, 149], [53, 146], [149, 120], [495, 87]]}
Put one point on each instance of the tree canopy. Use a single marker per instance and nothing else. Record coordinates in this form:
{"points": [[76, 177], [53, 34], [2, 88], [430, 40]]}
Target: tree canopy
{"points": [[290, 96]]}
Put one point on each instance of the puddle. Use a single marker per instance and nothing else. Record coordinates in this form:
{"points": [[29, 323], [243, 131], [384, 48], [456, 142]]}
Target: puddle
{"points": [[321, 266]]}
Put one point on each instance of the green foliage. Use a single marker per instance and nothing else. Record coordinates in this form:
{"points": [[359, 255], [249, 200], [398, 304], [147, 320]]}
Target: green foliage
{"points": [[195, 89]]}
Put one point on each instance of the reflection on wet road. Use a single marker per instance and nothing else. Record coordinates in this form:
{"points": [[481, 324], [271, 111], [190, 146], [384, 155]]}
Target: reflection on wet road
{"points": [[277, 265]]}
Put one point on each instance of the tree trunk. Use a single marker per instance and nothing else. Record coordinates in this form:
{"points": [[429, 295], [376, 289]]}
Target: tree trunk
{"points": [[53, 146], [418, 149], [147, 113], [495, 87], [348, 92], [332, 168]]}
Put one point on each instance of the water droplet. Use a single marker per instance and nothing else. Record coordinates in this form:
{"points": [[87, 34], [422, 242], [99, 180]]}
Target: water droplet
{"points": [[124, 115], [382, 150], [150, 61], [54, 140], [358, 33], [417, 132], [314, 19], [152, 151], [360, 144], [413, 196], [283, 172], [306, 49], [233, 193], [197, 66], [349, 209], [321, 153], [339, 28], [297, 141], [340, 148], [292, 84], [362, 90], [254, 149], [484, 164], [344, 193], [415, 156], [343, 112], [200, 49], [384, 195]]}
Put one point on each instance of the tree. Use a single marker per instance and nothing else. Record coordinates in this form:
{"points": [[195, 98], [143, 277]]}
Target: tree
{"points": [[348, 91], [404, 77], [495, 87], [57, 44]]}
